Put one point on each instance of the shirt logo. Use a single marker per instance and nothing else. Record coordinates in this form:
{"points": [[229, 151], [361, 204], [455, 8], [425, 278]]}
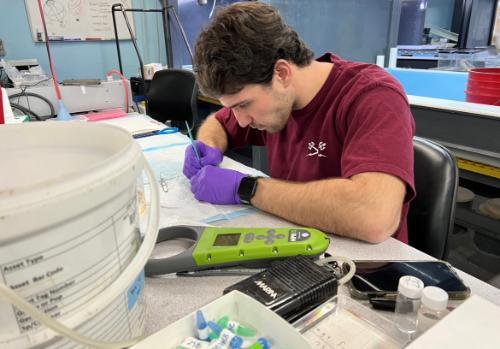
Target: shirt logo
{"points": [[313, 150]]}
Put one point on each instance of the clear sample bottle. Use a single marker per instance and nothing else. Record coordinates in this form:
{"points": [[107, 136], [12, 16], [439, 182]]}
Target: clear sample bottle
{"points": [[407, 304], [433, 307]]}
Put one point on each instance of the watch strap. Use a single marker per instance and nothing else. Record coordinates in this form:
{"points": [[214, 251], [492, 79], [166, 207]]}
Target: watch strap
{"points": [[247, 189]]}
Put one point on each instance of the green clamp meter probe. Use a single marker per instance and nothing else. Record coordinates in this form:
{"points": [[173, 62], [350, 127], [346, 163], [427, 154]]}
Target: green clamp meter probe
{"points": [[218, 247]]}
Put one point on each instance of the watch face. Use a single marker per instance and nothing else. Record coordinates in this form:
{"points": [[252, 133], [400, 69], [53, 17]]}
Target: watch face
{"points": [[247, 188]]}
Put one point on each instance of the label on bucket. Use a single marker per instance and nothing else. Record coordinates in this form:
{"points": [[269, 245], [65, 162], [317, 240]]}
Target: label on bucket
{"points": [[135, 290], [61, 269]]}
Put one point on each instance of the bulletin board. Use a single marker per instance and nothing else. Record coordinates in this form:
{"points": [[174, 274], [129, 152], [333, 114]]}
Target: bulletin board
{"points": [[73, 20]]}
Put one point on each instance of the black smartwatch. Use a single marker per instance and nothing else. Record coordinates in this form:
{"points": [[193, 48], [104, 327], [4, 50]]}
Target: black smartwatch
{"points": [[247, 189]]}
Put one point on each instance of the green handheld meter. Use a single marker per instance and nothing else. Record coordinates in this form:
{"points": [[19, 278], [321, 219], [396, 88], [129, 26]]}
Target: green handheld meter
{"points": [[217, 247]]}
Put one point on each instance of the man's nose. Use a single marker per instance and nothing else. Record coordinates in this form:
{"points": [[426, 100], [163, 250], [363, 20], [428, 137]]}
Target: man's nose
{"points": [[243, 119]]}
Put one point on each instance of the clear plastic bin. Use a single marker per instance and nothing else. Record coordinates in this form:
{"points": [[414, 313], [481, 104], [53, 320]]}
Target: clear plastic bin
{"points": [[33, 76], [345, 323], [339, 323], [463, 60], [446, 59], [12, 72]]}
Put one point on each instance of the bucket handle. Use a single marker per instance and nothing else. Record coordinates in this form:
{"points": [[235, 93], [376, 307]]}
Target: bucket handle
{"points": [[131, 272]]}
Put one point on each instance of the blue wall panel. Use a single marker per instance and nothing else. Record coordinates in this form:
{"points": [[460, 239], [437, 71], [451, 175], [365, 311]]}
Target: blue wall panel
{"points": [[357, 30], [82, 59], [432, 83], [79, 60], [193, 18]]}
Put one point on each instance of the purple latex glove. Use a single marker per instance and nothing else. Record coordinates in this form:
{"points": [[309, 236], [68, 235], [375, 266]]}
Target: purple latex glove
{"points": [[217, 185], [208, 156]]}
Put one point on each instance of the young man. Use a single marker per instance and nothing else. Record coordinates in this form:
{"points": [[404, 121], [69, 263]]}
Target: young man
{"points": [[338, 133]]}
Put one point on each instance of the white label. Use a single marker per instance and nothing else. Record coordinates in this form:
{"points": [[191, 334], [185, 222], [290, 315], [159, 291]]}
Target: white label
{"points": [[60, 270], [193, 343]]}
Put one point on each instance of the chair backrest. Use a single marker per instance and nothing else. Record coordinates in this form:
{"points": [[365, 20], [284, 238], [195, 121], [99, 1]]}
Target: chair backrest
{"points": [[173, 95], [432, 212]]}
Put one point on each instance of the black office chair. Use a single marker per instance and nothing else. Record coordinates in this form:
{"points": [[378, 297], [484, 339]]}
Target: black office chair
{"points": [[432, 212], [173, 96]]}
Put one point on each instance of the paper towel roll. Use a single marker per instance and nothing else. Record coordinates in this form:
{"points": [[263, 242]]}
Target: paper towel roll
{"points": [[150, 70], [8, 115], [380, 61], [393, 56]]}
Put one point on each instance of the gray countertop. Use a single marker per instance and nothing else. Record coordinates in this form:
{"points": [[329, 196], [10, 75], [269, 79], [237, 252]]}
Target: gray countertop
{"points": [[169, 298]]}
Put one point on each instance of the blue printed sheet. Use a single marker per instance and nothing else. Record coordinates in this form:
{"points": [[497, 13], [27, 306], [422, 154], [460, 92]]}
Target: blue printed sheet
{"points": [[165, 154]]}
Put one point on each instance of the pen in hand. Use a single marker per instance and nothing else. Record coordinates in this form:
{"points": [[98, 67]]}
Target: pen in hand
{"points": [[191, 140]]}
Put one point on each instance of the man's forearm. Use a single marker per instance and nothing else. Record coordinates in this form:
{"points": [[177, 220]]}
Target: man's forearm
{"points": [[213, 134], [353, 208]]}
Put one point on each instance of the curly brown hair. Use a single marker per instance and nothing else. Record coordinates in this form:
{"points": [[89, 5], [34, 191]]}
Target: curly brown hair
{"points": [[240, 47]]}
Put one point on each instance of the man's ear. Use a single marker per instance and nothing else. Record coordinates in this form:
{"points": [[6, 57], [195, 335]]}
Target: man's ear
{"points": [[283, 72]]}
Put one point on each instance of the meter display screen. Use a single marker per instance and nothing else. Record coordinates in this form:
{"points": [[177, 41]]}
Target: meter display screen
{"points": [[227, 239]]}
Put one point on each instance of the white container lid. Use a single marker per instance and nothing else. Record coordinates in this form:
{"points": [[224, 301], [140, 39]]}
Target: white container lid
{"points": [[434, 298], [410, 286], [464, 195]]}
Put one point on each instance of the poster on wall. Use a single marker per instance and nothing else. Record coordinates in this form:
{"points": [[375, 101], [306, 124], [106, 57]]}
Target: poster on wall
{"points": [[75, 20]]}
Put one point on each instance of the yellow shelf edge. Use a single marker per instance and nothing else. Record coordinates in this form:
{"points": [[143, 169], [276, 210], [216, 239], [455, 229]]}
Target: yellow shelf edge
{"points": [[486, 170]]}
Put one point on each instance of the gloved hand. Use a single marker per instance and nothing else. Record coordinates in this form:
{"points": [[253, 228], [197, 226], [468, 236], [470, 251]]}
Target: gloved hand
{"points": [[208, 156], [217, 185]]}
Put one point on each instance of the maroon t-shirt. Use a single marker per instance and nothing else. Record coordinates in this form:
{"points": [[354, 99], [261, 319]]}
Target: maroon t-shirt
{"points": [[359, 121]]}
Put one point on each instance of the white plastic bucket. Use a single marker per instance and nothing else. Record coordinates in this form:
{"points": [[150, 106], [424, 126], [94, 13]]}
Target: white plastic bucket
{"points": [[70, 240]]}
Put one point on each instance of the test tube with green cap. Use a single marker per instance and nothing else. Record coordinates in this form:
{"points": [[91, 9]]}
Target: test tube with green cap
{"points": [[261, 343], [225, 338], [236, 327]]}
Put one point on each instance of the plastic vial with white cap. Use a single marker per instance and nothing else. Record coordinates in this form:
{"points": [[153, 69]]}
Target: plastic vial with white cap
{"points": [[433, 307], [407, 303]]}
